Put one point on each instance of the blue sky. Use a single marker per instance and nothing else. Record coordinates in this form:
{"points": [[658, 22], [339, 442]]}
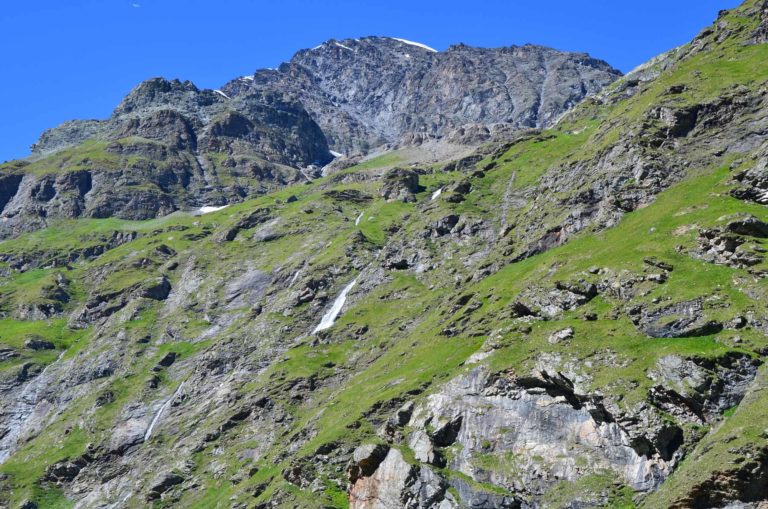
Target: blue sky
{"points": [[65, 59]]}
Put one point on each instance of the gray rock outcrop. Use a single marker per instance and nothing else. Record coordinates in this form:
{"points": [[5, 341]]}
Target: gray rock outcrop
{"points": [[405, 92]]}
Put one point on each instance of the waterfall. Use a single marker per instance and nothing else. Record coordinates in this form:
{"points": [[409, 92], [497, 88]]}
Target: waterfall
{"points": [[330, 316], [359, 218], [437, 193], [160, 412], [208, 209]]}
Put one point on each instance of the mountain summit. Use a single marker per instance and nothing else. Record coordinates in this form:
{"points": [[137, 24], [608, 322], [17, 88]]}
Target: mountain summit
{"points": [[376, 90], [171, 146]]}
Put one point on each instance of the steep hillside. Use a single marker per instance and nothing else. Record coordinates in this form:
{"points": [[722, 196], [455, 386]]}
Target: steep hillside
{"points": [[575, 317], [168, 146]]}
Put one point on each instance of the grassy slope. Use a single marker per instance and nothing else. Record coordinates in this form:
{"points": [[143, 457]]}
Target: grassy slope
{"points": [[392, 362]]}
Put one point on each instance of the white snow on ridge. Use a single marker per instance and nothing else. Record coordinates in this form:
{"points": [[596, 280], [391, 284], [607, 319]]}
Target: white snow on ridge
{"points": [[417, 44], [222, 94], [208, 209], [247, 78], [336, 154], [342, 46]]}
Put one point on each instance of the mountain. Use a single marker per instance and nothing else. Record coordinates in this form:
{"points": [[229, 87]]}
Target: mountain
{"points": [[566, 317], [375, 91], [170, 146]]}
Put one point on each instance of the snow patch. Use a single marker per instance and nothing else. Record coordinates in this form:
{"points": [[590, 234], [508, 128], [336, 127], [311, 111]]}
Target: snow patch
{"points": [[208, 209], [342, 46], [247, 78], [436, 194], [222, 94], [336, 154], [329, 318], [417, 44], [359, 218]]}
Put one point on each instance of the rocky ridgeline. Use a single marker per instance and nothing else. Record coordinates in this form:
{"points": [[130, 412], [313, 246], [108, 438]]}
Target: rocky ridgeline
{"points": [[167, 146], [376, 90], [179, 116], [171, 146]]}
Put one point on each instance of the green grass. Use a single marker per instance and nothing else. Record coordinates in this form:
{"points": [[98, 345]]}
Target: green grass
{"points": [[27, 466], [405, 313], [530, 159], [382, 161], [13, 332]]}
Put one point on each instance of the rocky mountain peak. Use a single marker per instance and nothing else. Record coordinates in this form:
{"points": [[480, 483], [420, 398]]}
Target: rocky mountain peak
{"points": [[374, 91], [157, 91], [372, 42]]}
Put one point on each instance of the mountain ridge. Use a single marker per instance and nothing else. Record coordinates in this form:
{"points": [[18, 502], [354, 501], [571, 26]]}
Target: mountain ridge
{"points": [[171, 146], [444, 73]]}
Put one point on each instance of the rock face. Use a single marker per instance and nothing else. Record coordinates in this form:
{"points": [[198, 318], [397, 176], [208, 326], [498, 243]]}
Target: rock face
{"points": [[395, 483], [679, 320], [170, 145], [698, 390], [180, 117], [167, 146], [407, 92], [549, 433]]}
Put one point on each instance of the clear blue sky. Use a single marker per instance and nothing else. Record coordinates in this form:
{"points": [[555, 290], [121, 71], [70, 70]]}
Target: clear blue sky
{"points": [[65, 59]]}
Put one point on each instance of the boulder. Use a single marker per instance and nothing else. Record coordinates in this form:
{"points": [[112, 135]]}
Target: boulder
{"points": [[560, 336], [38, 343], [400, 184], [749, 226], [162, 484], [445, 225]]}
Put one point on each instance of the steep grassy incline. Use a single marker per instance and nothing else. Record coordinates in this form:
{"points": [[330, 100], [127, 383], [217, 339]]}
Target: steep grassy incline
{"points": [[575, 318]]}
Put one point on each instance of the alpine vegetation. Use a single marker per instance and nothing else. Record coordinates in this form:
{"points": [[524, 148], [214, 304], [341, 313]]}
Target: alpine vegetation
{"points": [[531, 282]]}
